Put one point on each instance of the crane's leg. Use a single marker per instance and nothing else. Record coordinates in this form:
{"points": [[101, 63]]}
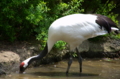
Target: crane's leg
{"points": [[69, 64], [79, 60]]}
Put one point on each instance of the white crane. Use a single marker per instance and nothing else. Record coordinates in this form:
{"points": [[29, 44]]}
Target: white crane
{"points": [[73, 29]]}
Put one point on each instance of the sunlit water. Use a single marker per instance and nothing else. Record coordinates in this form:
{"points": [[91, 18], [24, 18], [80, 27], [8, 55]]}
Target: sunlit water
{"points": [[92, 69]]}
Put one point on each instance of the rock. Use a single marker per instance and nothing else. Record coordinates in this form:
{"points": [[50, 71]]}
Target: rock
{"points": [[8, 62], [108, 48], [9, 56]]}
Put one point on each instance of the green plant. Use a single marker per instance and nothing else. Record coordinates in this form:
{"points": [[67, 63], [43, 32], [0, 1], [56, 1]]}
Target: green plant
{"points": [[106, 9], [37, 13], [60, 45], [71, 7], [13, 24], [115, 36], [74, 54], [42, 37]]}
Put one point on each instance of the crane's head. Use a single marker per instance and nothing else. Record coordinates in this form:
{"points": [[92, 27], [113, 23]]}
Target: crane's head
{"points": [[26, 63], [23, 66]]}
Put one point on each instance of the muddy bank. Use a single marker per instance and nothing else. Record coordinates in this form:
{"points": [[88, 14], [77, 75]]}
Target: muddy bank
{"points": [[11, 54]]}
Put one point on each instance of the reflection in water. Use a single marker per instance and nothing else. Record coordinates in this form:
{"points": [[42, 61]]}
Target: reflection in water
{"points": [[92, 69]]}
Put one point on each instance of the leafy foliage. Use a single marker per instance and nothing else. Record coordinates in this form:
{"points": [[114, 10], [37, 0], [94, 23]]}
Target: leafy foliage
{"points": [[21, 19]]}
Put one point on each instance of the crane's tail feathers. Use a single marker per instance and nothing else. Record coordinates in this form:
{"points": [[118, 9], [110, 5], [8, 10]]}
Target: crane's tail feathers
{"points": [[116, 30], [103, 32]]}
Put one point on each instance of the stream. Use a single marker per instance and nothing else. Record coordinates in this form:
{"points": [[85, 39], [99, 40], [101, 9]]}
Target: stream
{"points": [[92, 69]]}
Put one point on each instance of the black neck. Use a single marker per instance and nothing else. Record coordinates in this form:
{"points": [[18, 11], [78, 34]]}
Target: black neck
{"points": [[40, 56]]}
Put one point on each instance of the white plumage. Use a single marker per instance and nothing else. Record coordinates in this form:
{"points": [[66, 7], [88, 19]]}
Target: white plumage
{"points": [[73, 29]]}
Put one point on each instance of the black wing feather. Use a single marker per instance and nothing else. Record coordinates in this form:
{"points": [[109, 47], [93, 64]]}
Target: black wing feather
{"points": [[105, 22]]}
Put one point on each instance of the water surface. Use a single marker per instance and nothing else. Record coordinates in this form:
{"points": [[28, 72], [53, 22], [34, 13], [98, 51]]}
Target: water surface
{"points": [[92, 69]]}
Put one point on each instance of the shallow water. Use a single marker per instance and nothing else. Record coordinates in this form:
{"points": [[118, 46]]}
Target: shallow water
{"points": [[92, 69]]}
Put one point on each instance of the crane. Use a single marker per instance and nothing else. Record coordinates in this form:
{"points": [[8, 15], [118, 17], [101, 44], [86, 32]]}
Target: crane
{"points": [[73, 29]]}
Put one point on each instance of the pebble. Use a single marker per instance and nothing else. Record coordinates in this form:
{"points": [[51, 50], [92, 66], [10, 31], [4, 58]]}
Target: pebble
{"points": [[54, 65]]}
